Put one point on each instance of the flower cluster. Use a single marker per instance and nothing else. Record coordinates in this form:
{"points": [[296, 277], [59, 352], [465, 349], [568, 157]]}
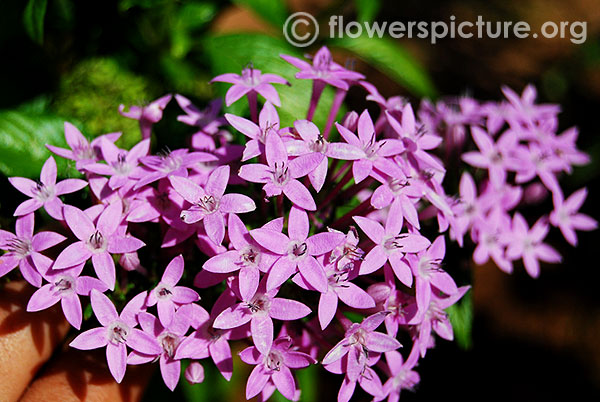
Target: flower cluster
{"points": [[345, 215]]}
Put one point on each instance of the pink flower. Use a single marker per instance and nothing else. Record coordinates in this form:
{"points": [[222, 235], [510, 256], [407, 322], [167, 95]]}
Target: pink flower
{"points": [[390, 245], [96, 242], [312, 142], [169, 338], [367, 141], [360, 340], [251, 80], [147, 115], [46, 191], [117, 332], [267, 120], [167, 295], [402, 374], [323, 69], [274, 364], [527, 244], [65, 286], [297, 251], [82, 151], [566, 217], [247, 256], [260, 312], [121, 165], [209, 203], [281, 174], [24, 250]]}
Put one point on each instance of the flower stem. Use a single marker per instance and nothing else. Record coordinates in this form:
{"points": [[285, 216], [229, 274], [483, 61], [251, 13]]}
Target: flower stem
{"points": [[335, 107], [317, 90], [362, 209], [253, 104], [336, 191]]}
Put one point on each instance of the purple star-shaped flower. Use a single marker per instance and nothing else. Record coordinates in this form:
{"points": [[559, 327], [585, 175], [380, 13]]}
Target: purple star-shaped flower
{"points": [[260, 312], [360, 340], [167, 295], [65, 286], [281, 174], [323, 69], [528, 244], [275, 365], [268, 120], [390, 245], [96, 242], [122, 166], [169, 338], [312, 142], [251, 81], [247, 256], [117, 332], [210, 203], [566, 217], [147, 115], [366, 141], [402, 374], [297, 251], [24, 250], [45, 192], [82, 151]]}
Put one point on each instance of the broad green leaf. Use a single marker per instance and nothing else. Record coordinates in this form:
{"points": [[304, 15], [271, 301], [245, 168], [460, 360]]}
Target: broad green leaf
{"points": [[366, 10], [461, 318], [33, 19], [23, 139], [390, 58], [232, 52], [272, 11]]}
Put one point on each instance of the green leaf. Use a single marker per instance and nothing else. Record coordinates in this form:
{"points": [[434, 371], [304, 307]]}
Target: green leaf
{"points": [[23, 139], [232, 52], [366, 10], [390, 58], [272, 11], [461, 318], [33, 19]]}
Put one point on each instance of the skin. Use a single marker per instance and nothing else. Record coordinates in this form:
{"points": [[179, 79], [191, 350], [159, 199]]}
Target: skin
{"points": [[28, 340]]}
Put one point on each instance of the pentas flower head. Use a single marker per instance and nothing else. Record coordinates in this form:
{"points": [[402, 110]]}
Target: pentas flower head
{"points": [[116, 333], [566, 217], [65, 286], [45, 192], [210, 203], [297, 252], [82, 151], [360, 340], [260, 312], [23, 249], [312, 142], [169, 338], [147, 115], [527, 244], [170, 163], [251, 81], [324, 69], [167, 295], [366, 141], [268, 120], [390, 245], [274, 365], [122, 166], [281, 174], [96, 242]]}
